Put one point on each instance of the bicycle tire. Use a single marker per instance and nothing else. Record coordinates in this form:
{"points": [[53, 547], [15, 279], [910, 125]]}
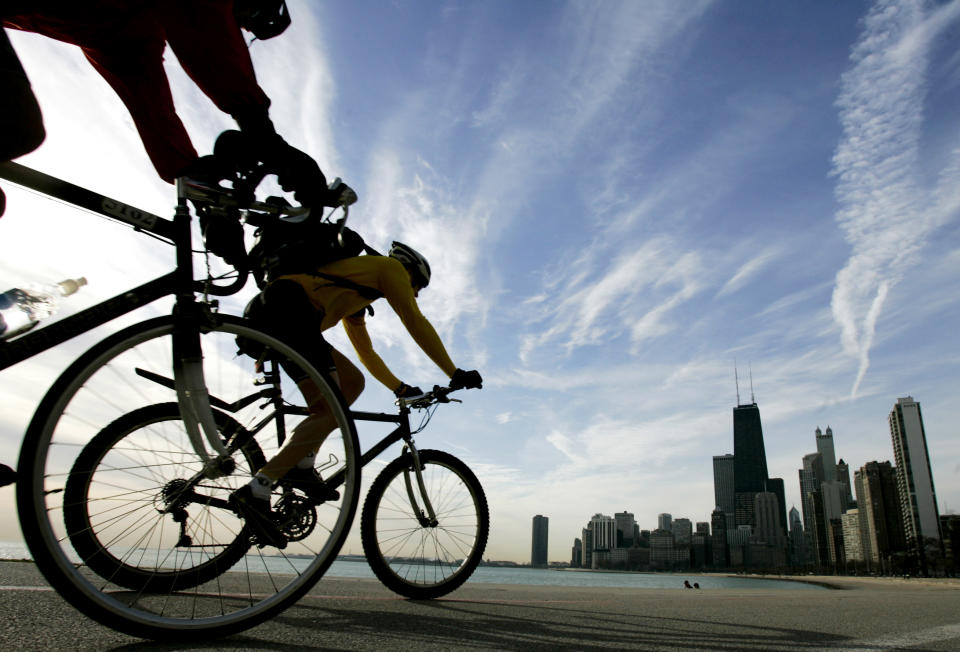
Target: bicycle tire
{"points": [[110, 471], [420, 561], [91, 393]]}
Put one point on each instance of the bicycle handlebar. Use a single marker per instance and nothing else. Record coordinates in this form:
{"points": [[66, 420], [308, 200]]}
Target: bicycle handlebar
{"points": [[437, 395]]}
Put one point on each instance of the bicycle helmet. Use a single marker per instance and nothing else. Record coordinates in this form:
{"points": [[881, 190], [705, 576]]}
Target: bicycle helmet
{"points": [[262, 18], [417, 266]]}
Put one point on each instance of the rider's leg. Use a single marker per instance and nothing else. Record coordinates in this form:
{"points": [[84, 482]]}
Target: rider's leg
{"points": [[208, 43], [310, 433], [21, 124]]}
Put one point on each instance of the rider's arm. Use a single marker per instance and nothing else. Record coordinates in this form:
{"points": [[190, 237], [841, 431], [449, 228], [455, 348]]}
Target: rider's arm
{"points": [[397, 291], [356, 329]]}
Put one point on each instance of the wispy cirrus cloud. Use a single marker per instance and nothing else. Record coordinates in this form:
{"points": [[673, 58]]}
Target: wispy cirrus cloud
{"points": [[599, 299], [888, 209], [748, 271]]}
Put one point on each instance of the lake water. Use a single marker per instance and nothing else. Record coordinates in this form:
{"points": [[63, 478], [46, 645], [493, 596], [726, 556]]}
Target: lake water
{"points": [[543, 577]]}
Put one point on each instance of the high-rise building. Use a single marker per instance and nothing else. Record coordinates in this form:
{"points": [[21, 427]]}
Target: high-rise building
{"points": [[775, 486], [576, 554], [767, 529], [950, 529], [718, 538], [853, 544], [820, 476], [749, 461], [833, 502], [878, 502], [723, 489], [843, 477], [587, 536], [604, 529], [818, 533], [810, 476], [799, 550], [682, 531], [625, 527], [825, 448], [918, 499], [665, 522], [538, 547]]}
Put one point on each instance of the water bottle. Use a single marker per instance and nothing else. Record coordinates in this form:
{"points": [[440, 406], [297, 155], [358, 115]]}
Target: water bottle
{"points": [[22, 309]]}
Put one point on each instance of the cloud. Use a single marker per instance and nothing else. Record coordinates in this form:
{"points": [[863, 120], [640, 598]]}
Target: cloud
{"points": [[748, 271], [886, 211]]}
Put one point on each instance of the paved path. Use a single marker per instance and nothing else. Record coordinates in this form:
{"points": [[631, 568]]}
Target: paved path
{"points": [[361, 615]]}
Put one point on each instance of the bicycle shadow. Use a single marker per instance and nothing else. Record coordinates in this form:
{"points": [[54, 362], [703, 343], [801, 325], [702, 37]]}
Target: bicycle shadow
{"points": [[447, 624]]}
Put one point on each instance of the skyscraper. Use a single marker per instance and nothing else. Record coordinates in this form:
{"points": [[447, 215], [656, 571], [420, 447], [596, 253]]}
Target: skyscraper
{"points": [[918, 499], [718, 539], [843, 477], [604, 529], [723, 490], [749, 461], [682, 530], [587, 537], [810, 476], [798, 544], [665, 522], [826, 450], [625, 526], [879, 504], [768, 527], [775, 486], [576, 554], [538, 548]]}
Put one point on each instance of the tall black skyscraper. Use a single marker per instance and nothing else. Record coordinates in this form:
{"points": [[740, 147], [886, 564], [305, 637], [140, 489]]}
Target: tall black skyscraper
{"points": [[538, 547], [749, 461]]}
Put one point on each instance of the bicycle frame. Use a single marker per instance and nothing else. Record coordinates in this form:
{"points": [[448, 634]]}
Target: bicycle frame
{"points": [[401, 432], [272, 393], [192, 396]]}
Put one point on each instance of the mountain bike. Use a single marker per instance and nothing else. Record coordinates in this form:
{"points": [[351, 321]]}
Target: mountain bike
{"points": [[177, 587], [424, 523]]}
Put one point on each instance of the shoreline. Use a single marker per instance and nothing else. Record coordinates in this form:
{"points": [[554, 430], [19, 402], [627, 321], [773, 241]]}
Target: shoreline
{"points": [[830, 582]]}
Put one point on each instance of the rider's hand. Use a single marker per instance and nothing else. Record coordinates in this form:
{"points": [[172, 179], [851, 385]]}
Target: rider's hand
{"points": [[340, 194], [346, 197], [223, 237], [466, 380], [408, 392], [297, 173]]}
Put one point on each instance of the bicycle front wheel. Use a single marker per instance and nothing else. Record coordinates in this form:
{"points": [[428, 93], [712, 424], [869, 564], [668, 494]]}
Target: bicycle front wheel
{"points": [[412, 555], [128, 523]]}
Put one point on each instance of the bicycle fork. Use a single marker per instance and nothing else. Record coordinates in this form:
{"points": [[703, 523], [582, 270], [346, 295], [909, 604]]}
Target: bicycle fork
{"points": [[426, 518], [192, 395]]}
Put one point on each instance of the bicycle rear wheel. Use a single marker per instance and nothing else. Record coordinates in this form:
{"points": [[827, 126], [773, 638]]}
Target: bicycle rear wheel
{"points": [[102, 472], [410, 555]]}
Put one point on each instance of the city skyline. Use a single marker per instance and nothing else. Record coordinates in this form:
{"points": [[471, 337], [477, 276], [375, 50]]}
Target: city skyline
{"points": [[620, 201], [895, 508]]}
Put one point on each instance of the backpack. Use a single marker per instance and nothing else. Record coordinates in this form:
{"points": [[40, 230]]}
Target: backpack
{"points": [[300, 246]]}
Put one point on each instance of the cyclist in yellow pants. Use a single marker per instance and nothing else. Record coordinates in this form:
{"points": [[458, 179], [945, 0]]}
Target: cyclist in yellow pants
{"points": [[398, 278]]}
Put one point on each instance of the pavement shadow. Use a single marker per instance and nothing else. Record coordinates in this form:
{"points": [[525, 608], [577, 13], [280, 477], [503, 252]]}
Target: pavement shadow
{"points": [[448, 624]]}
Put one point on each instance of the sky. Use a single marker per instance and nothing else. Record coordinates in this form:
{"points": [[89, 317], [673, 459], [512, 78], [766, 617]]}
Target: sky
{"points": [[622, 202]]}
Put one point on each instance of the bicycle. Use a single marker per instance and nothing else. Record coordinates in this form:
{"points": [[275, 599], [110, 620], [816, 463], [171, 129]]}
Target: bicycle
{"points": [[198, 343], [424, 522]]}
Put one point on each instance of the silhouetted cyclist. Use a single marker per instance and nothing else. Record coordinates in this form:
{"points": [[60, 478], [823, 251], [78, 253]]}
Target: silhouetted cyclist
{"points": [[299, 307], [124, 40]]}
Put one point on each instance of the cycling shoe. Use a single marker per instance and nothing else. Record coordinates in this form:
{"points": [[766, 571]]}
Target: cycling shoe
{"points": [[258, 516]]}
